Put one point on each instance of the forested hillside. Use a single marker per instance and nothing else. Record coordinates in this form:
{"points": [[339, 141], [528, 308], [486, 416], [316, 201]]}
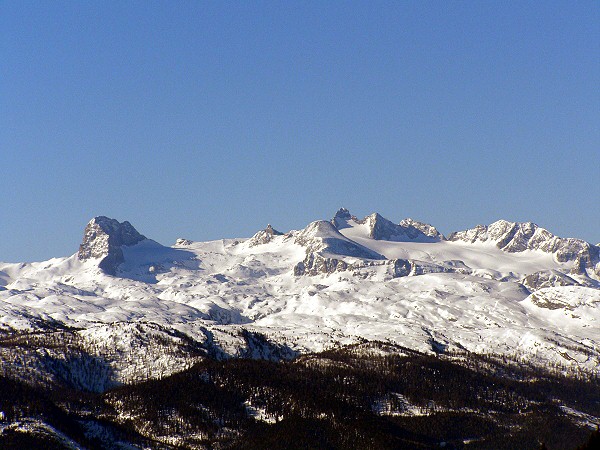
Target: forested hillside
{"points": [[371, 395]]}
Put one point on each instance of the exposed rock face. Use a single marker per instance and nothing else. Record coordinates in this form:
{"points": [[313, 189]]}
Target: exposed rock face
{"points": [[383, 229], [315, 264], [415, 228], [341, 218], [264, 236], [586, 257], [547, 278], [401, 268], [103, 238], [409, 267], [183, 242], [514, 237]]}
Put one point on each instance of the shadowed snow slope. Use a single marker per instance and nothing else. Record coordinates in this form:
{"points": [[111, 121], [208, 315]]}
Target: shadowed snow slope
{"points": [[359, 279]]}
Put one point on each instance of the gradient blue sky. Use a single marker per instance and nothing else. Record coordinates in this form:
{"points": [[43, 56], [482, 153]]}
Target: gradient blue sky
{"points": [[210, 119]]}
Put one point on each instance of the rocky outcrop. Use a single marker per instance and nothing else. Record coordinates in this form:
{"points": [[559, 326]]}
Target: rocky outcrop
{"points": [[264, 236], [341, 218], [409, 267], [414, 229], [547, 278], [514, 237], [382, 229], [315, 264], [103, 238]]}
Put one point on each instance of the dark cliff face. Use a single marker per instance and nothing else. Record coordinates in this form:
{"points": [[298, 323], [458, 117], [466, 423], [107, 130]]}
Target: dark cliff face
{"points": [[341, 218], [103, 238]]}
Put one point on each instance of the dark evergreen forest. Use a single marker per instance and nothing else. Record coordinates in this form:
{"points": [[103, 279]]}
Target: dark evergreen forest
{"points": [[368, 396]]}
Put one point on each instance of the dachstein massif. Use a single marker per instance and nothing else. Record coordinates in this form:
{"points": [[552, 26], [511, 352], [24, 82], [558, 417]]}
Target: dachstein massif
{"points": [[349, 333]]}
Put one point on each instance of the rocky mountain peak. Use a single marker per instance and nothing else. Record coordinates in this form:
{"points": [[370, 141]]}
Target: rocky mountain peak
{"points": [[341, 218], [408, 230], [103, 238], [343, 213], [515, 237], [414, 228], [381, 228], [264, 236]]}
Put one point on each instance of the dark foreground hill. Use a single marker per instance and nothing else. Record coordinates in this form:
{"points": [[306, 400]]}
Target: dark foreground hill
{"points": [[368, 396]]}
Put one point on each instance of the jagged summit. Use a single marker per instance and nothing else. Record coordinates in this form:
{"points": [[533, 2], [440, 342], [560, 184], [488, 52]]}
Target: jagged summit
{"points": [[103, 238], [515, 237], [341, 218], [342, 213], [380, 228], [264, 236], [414, 227]]}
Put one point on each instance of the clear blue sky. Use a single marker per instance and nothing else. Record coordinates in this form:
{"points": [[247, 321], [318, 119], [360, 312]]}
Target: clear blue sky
{"points": [[210, 119]]}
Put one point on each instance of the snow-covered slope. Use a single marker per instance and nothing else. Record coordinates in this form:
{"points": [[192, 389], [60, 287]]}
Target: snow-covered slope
{"points": [[499, 289]]}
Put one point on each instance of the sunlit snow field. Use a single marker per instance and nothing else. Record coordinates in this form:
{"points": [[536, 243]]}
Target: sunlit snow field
{"points": [[228, 284]]}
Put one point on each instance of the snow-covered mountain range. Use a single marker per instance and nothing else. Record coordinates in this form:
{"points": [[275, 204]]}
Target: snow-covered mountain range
{"points": [[506, 288]]}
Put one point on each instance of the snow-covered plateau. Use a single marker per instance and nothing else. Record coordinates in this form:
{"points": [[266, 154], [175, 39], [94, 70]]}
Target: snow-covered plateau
{"points": [[506, 289]]}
